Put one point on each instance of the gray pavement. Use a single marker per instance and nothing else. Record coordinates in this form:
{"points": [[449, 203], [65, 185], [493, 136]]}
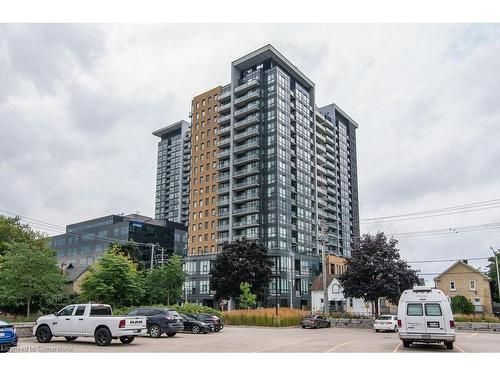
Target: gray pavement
{"points": [[271, 340]]}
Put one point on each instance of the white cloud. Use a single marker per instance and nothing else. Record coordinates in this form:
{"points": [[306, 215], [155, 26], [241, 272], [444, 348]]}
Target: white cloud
{"points": [[78, 104]]}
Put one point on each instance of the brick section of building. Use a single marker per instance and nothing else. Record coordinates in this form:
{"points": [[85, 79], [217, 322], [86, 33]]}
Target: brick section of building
{"points": [[204, 173]]}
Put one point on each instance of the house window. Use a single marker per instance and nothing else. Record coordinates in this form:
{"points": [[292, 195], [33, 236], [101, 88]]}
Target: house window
{"points": [[452, 286], [472, 285]]}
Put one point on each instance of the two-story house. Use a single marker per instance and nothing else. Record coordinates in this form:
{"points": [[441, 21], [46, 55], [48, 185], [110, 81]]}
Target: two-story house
{"points": [[461, 279]]}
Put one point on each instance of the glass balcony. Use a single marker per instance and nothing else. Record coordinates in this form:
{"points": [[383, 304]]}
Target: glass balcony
{"points": [[247, 145], [252, 107], [247, 236], [247, 170], [223, 165], [224, 119], [224, 153], [224, 129], [223, 177], [224, 95], [250, 84], [247, 121], [242, 100], [224, 141], [246, 197], [246, 134], [247, 158], [248, 209], [247, 183], [224, 108], [246, 223]]}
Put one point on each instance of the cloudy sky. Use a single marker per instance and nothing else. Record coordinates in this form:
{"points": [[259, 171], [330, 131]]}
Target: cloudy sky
{"points": [[78, 104]]}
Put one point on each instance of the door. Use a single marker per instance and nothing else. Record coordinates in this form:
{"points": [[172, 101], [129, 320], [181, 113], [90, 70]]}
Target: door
{"points": [[77, 321], [415, 322], [63, 321], [478, 307], [434, 319]]}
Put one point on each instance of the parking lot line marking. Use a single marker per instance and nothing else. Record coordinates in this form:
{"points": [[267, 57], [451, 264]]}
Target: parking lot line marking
{"points": [[339, 345], [396, 348], [277, 346], [472, 335], [459, 348]]}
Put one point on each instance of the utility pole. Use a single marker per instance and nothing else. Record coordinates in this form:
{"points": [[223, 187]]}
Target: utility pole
{"points": [[322, 242], [152, 253], [496, 254]]}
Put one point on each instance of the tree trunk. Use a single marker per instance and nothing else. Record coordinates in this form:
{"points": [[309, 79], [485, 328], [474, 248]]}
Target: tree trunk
{"points": [[375, 305]]}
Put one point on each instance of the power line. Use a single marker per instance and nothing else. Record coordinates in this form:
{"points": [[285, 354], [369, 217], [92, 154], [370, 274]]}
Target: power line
{"points": [[444, 260], [443, 209]]}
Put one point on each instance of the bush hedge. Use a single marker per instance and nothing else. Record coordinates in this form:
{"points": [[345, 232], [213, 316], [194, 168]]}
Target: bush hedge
{"points": [[265, 317]]}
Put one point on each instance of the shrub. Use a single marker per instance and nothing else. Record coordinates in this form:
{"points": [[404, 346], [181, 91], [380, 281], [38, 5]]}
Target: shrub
{"points": [[461, 305], [265, 317], [476, 318]]}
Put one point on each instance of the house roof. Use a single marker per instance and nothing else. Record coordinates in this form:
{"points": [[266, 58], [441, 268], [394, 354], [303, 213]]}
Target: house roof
{"points": [[73, 273], [466, 265], [317, 284]]}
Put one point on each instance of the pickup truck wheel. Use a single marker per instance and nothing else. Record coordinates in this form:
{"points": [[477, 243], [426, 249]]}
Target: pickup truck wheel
{"points": [[43, 334], [70, 338], [449, 345], [155, 331], [102, 336], [406, 343], [216, 329], [195, 329], [127, 339]]}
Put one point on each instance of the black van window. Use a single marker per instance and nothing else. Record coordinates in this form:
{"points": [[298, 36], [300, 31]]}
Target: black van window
{"points": [[414, 309], [433, 309]]}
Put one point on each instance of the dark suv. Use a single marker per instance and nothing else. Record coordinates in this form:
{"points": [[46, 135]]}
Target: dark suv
{"points": [[210, 319], [160, 321]]}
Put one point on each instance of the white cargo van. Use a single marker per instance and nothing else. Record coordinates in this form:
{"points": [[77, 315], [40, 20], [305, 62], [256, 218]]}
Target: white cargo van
{"points": [[425, 316]]}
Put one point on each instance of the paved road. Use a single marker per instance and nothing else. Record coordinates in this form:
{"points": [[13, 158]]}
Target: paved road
{"points": [[271, 340]]}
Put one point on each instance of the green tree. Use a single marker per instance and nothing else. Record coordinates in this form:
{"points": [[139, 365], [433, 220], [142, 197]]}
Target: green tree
{"points": [[132, 251], [247, 299], [461, 305], [13, 231], [164, 283], [376, 270], [241, 261], [29, 271], [492, 273], [113, 279]]}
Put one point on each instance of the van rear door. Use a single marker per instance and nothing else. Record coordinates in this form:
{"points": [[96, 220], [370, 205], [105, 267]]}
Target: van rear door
{"points": [[434, 318], [415, 321]]}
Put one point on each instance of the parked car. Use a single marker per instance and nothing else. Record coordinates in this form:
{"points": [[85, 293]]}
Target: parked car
{"points": [[217, 322], [425, 316], [8, 336], [386, 323], [89, 320], [315, 321], [195, 326], [160, 321]]}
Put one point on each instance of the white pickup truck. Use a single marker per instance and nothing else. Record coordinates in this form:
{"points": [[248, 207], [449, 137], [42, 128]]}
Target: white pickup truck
{"points": [[89, 320]]}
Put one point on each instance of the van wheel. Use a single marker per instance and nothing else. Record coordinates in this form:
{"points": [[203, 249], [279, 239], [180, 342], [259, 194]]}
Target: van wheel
{"points": [[406, 343], [102, 336], [449, 345], [43, 334]]}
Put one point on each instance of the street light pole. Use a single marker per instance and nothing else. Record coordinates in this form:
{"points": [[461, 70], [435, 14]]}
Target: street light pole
{"points": [[496, 253]]}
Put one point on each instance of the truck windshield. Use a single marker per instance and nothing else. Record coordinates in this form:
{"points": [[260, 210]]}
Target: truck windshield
{"points": [[100, 311]]}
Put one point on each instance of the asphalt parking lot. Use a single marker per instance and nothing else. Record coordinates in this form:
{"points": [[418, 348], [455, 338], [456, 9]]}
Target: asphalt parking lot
{"points": [[271, 340]]}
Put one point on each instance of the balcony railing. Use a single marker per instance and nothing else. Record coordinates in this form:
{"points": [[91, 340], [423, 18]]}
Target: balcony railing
{"points": [[242, 100], [247, 133], [247, 209], [224, 129], [247, 85], [224, 119], [247, 121], [245, 223], [246, 183], [244, 197], [252, 169], [246, 110], [246, 145], [247, 158]]}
